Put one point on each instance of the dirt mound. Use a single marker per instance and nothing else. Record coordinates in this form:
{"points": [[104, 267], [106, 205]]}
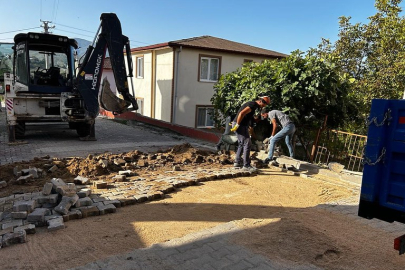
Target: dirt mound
{"points": [[104, 166]]}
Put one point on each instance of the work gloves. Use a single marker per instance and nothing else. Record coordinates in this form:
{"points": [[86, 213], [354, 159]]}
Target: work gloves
{"points": [[235, 127]]}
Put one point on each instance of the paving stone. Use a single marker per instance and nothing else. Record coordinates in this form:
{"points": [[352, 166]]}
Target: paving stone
{"points": [[52, 198], [24, 179], [56, 224], [8, 230], [84, 192], [65, 204], [155, 195], [89, 211], [103, 163], [11, 224], [19, 215], [141, 198], [106, 209], [31, 171], [84, 202], [14, 238], [47, 189], [50, 206], [38, 216], [29, 228], [128, 201], [80, 180], [120, 178], [100, 184], [53, 168], [53, 215], [119, 161], [67, 190], [58, 184], [116, 203], [127, 173], [1, 216], [9, 199], [72, 214]]}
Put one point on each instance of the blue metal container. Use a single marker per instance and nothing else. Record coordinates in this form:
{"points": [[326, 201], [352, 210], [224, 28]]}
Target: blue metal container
{"points": [[383, 184]]}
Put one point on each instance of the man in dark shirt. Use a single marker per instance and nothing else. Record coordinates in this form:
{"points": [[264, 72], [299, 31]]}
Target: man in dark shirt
{"points": [[244, 119], [287, 131]]}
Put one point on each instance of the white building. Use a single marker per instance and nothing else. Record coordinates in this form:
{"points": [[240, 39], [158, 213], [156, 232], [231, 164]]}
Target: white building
{"points": [[174, 81]]}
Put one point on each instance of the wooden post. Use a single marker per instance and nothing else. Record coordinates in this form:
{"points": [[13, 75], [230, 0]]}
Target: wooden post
{"points": [[315, 145]]}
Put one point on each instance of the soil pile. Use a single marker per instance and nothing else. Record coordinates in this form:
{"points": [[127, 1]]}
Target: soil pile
{"points": [[105, 166]]}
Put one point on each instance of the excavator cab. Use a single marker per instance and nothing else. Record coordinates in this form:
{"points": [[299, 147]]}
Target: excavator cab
{"points": [[44, 63]]}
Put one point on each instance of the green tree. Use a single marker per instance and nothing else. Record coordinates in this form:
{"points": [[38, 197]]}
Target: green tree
{"points": [[308, 87], [373, 54]]}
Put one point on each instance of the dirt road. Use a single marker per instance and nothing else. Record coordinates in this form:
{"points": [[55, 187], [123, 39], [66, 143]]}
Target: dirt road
{"points": [[285, 218]]}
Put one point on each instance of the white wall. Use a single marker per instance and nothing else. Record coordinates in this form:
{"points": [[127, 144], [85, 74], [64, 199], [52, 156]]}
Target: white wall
{"points": [[190, 91], [110, 77], [164, 84], [143, 86]]}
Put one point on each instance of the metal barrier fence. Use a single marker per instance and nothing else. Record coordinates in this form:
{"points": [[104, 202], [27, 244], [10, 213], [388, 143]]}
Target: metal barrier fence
{"points": [[342, 147]]}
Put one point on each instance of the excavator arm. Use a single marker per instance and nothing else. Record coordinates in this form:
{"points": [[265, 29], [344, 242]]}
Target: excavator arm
{"points": [[109, 36]]}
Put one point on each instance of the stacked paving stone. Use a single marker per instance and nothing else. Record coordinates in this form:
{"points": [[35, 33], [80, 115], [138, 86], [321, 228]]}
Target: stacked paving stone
{"points": [[59, 202]]}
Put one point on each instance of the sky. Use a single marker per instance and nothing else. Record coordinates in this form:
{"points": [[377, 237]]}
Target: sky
{"points": [[278, 25]]}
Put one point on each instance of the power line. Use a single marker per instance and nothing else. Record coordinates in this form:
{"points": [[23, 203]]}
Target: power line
{"points": [[18, 30], [55, 11], [138, 41], [73, 33], [74, 28]]}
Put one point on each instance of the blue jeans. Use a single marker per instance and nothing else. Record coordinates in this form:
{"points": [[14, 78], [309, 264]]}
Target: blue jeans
{"points": [[244, 145], [286, 132]]}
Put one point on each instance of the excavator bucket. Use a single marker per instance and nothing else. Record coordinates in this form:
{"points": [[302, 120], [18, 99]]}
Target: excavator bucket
{"points": [[109, 101]]}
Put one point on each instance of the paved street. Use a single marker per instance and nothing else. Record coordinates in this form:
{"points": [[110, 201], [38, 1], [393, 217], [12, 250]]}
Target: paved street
{"points": [[57, 140]]}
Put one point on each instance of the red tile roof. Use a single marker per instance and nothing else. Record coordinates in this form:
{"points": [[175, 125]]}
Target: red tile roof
{"points": [[213, 43]]}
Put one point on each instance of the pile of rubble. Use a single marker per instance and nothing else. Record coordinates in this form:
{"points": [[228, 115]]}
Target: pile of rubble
{"points": [[30, 176]]}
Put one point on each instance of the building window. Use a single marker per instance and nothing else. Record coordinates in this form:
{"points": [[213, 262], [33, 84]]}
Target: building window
{"points": [[205, 117], [209, 68], [139, 67], [247, 61], [139, 101]]}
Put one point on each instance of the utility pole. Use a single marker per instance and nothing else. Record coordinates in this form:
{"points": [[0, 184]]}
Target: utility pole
{"points": [[46, 26]]}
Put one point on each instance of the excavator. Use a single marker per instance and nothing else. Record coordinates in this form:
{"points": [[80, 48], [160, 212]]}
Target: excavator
{"points": [[47, 84]]}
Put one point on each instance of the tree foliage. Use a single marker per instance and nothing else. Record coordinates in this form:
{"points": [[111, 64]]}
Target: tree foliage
{"points": [[306, 86], [373, 54]]}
